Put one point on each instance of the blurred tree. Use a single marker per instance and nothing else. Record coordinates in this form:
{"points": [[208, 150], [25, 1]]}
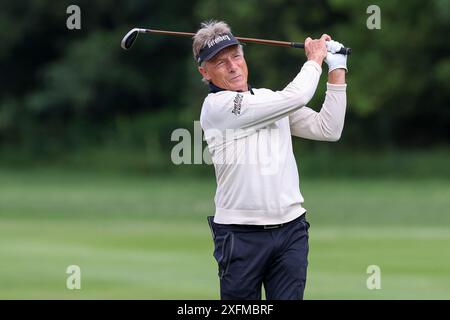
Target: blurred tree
{"points": [[62, 89]]}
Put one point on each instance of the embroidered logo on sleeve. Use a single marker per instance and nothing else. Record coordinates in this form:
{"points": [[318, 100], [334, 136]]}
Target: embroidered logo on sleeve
{"points": [[237, 104]]}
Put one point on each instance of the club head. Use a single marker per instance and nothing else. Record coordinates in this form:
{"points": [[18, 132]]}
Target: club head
{"points": [[129, 38]]}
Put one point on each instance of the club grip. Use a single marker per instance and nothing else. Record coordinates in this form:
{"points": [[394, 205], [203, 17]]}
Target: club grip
{"points": [[297, 45], [344, 50]]}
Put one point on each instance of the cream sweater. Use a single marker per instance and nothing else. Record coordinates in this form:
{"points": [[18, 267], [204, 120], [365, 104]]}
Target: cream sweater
{"points": [[249, 138]]}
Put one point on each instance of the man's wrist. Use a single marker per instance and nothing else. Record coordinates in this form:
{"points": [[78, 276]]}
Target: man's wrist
{"points": [[337, 76], [316, 59]]}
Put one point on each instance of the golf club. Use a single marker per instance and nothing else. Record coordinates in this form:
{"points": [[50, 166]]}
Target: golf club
{"points": [[131, 36]]}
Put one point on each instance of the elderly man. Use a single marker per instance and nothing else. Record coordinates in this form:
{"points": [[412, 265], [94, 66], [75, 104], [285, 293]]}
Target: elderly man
{"points": [[259, 227]]}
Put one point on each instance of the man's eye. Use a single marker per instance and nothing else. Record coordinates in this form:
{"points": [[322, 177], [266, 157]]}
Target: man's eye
{"points": [[220, 63]]}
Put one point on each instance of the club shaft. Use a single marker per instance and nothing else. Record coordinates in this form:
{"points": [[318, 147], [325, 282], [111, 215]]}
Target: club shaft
{"points": [[242, 39]]}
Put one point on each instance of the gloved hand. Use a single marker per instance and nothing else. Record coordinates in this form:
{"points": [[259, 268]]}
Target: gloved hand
{"points": [[335, 60]]}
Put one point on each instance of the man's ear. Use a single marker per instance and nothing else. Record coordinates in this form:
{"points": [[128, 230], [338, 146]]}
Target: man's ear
{"points": [[204, 73]]}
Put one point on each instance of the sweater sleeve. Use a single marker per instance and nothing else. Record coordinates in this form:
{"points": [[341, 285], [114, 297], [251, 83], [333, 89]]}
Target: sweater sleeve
{"points": [[326, 125], [234, 110]]}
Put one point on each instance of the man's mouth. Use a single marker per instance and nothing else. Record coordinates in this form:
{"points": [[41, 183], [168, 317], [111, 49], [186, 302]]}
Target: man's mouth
{"points": [[235, 78]]}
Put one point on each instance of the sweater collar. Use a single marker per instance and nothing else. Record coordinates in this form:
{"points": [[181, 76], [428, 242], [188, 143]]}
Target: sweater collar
{"points": [[214, 89]]}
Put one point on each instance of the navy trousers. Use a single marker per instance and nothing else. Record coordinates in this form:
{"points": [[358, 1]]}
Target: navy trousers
{"points": [[251, 256]]}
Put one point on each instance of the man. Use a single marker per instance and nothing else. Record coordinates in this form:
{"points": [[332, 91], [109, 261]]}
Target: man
{"points": [[259, 228]]}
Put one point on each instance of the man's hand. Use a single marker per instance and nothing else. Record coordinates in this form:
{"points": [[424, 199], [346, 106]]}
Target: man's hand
{"points": [[335, 60], [316, 50]]}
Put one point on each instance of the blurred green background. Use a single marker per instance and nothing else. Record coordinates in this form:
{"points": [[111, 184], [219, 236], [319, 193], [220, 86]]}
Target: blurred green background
{"points": [[86, 176]]}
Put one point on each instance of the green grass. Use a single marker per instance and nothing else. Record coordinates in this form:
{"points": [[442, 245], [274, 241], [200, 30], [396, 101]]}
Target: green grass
{"points": [[147, 238]]}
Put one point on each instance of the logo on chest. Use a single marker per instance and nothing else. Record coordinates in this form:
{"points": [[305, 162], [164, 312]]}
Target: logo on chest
{"points": [[237, 104]]}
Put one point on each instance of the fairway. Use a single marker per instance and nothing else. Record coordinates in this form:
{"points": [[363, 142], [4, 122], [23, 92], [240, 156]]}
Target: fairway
{"points": [[147, 238]]}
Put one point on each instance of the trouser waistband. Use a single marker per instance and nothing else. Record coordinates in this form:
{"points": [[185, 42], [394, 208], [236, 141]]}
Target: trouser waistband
{"points": [[258, 227]]}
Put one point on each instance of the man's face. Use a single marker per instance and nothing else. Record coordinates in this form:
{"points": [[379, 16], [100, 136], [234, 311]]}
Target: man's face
{"points": [[227, 70]]}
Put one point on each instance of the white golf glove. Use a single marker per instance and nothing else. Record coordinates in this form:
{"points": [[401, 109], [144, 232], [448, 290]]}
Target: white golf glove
{"points": [[335, 60]]}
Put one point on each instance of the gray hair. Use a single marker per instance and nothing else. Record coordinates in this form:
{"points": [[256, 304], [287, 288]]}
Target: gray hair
{"points": [[209, 30]]}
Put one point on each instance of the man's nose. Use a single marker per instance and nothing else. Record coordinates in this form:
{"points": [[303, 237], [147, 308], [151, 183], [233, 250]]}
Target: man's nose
{"points": [[232, 66]]}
